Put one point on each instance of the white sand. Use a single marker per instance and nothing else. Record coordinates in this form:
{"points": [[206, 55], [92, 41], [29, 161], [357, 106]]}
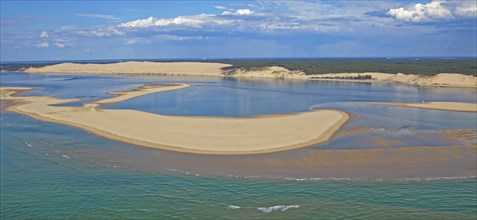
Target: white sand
{"points": [[446, 106], [204, 135]]}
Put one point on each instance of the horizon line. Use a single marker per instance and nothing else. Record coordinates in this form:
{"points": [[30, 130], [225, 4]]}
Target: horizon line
{"points": [[240, 58]]}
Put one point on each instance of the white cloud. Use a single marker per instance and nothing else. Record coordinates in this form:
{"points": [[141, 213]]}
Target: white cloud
{"points": [[107, 17], [101, 32], [44, 34], [422, 12], [175, 37], [195, 21], [133, 41], [220, 7], [43, 44], [238, 12], [59, 44], [467, 9]]}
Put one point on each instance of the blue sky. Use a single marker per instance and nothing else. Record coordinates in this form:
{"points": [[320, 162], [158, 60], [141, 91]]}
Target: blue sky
{"points": [[73, 30]]}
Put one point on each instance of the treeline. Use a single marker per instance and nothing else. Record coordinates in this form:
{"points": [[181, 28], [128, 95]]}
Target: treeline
{"points": [[320, 66]]}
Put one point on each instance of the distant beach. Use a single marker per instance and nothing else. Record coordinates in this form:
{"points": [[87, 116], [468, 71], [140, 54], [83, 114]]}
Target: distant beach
{"points": [[275, 72]]}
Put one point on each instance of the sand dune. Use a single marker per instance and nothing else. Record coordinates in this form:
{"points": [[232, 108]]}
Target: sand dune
{"points": [[204, 135], [276, 72], [447, 106], [442, 79], [139, 68]]}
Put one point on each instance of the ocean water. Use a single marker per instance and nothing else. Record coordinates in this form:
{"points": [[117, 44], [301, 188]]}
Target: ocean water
{"points": [[51, 171]]}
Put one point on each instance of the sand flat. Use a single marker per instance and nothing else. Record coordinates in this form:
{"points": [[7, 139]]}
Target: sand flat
{"points": [[445, 106], [203, 135]]}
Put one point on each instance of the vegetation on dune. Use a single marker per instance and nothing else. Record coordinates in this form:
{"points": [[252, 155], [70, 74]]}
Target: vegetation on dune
{"points": [[320, 66]]}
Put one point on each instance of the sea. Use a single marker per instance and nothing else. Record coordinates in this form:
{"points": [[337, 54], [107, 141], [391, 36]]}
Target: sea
{"points": [[53, 171]]}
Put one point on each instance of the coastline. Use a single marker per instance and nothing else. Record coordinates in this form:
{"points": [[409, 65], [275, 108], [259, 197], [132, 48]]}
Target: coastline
{"points": [[206, 135], [271, 72], [442, 106]]}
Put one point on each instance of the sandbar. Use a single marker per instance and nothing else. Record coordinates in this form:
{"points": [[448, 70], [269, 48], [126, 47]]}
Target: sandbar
{"points": [[192, 134], [444, 106]]}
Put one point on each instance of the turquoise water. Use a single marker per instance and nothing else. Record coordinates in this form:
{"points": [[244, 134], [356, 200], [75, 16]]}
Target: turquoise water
{"points": [[55, 171]]}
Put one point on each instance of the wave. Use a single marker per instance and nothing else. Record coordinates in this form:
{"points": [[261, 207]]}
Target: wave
{"points": [[381, 179], [278, 208], [233, 207]]}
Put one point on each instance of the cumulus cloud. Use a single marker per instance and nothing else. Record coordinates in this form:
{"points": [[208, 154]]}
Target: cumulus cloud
{"points": [[44, 34], [238, 12], [43, 44], [422, 12], [102, 16]]}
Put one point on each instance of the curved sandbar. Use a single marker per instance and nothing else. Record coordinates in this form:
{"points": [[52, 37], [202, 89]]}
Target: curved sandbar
{"points": [[445, 106], [202, 135]]}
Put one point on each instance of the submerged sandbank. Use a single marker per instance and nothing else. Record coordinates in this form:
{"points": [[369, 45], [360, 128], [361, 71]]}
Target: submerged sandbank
{"points": [[202, 135], [275, 72], [445, 106]]}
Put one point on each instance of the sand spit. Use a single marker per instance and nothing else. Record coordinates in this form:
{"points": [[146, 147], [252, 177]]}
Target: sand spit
{"points": [[445, 106], [144, 90], [201, 135], [137, 68]]}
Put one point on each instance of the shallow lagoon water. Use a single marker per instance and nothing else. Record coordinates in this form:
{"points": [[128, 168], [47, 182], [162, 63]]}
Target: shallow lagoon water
{"points": [[55, 171]]}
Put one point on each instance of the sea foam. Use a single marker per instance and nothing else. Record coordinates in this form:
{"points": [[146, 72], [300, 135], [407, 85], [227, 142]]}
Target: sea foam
{"points": [[233, 207], [278, 208]]}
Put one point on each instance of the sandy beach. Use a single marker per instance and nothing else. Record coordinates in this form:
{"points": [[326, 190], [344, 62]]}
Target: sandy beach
{"points": [[202, 135], [445, 106], [273, 72]]}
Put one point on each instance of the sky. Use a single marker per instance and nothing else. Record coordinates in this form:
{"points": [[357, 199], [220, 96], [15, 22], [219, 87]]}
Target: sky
{"points": [[86, 30]]}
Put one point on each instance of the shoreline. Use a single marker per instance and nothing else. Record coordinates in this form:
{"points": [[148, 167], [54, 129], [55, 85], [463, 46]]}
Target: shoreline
{"points": [[206, 135], [134, 68], [442, 106]]}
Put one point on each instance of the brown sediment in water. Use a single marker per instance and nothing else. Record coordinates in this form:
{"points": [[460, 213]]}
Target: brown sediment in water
{"points": [[466, 135], [403, 162], [352, 131], [199, 135]]}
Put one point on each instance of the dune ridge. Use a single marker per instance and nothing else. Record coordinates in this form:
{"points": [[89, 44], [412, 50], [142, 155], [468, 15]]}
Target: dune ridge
{"points": [[200, 135], [274, 72], [135, 68]]}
